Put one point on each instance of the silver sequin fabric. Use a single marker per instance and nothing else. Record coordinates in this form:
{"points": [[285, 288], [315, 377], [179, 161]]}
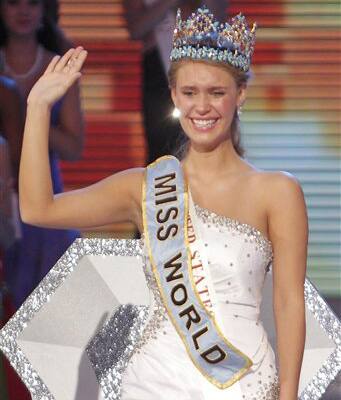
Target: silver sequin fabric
{"points": [[158, 312], [113, 346], [265, 391], [332, 326], [43, 294], [252, 234]]}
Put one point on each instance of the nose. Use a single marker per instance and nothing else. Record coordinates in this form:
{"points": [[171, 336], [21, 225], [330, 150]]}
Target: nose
{"points": [[202, 104], [24, 7]]}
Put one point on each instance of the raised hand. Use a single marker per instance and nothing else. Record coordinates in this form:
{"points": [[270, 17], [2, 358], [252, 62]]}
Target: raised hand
{"points": [[59, 76]]}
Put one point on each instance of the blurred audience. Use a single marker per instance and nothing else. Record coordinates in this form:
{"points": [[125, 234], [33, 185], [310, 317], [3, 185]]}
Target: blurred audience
{"points": [[7, 232], [11, 120], [29, 38], [11, 129]]}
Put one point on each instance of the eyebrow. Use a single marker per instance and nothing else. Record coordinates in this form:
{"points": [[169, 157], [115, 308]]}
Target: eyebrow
{"points": [[210, 88]]}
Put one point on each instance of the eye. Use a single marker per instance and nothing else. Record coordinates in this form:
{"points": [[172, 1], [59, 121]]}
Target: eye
{"points": [[188, 93], [218, 93]]}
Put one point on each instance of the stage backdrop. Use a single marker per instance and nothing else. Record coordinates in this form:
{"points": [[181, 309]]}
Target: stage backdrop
{"points": [[290, 122]]}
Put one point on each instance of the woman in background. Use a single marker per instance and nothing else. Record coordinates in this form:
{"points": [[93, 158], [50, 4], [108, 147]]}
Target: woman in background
{"points": [[29, 40]]}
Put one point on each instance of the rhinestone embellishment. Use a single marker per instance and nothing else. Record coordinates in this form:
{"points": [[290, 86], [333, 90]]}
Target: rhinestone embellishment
{"points": [[252, 234]]}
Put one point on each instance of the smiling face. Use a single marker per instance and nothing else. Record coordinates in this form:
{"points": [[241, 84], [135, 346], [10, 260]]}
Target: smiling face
{"points": [[207, 96], [22, 17]]}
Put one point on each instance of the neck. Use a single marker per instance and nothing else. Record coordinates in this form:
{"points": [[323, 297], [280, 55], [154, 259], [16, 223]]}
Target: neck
{"points": [[221, 160], [22, 46]]}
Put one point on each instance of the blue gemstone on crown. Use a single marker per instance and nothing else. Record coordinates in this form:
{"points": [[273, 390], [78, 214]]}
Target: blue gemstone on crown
{"points": [[201, 37]]}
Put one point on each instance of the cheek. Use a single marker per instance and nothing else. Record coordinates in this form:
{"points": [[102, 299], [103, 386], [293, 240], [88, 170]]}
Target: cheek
{"points": [[38, 13], [7, 13], [185, 104], [226, 106]]}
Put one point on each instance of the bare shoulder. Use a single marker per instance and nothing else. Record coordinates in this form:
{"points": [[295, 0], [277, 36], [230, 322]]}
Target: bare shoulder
{"points": [[280, 196], [130, 181], [274, 184], [285, 206], [132, 178]]}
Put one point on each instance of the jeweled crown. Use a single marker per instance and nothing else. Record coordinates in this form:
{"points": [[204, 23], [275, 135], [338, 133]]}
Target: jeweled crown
{"points": [[202, 37]]}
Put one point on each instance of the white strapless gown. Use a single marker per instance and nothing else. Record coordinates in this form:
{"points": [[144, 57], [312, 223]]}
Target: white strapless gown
{"points": [[238, 256]]}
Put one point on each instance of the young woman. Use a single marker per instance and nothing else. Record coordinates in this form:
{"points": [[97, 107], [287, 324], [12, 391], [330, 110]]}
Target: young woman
{"points": [[240, 220], [28, 41], [150, 22]]}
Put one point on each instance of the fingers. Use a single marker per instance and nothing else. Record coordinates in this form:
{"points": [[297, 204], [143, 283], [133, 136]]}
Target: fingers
{"points": [[73, 78], [52, 64], [76, 61], [64, 60], [71, 61]]}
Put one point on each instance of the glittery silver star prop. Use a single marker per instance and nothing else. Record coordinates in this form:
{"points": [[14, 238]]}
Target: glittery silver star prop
{"points": [[75, 334], [322, 353], [56, 337]]}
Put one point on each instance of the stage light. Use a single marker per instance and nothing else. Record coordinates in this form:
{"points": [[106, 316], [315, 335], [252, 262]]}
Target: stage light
{"points": [[176, 113]]}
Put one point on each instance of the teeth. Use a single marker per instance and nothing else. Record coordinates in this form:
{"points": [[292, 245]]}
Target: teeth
{"points": [[202, 123]]}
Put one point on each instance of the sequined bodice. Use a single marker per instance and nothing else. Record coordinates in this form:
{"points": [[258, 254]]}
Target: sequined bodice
{"points": [[238, 256]]}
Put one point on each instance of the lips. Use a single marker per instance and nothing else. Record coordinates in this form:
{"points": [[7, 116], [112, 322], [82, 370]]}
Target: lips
{"points": [[204, 124], [23, 21]]}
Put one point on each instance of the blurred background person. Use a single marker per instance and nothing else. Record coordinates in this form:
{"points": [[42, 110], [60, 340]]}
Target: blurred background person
{"points": [[7, 230], [11, 121], [152, 22], [11, 130], [29, 38], [52, 15]]}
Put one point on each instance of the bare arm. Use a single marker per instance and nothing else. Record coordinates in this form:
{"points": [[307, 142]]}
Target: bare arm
{"points": [[288, 229], [111, 200], [142, 20], [67, 138]]}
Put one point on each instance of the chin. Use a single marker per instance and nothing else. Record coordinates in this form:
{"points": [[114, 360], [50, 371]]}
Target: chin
{"points": [[24, 29], [207, 142]]}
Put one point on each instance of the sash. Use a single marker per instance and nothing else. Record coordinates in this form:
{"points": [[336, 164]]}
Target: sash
{"points": [[202, 278], [165, 213]]}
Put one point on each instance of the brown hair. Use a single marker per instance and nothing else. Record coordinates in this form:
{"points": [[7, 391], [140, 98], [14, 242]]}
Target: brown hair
{"points": [[241, 78]]}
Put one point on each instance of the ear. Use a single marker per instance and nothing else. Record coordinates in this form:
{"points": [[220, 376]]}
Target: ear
{"points": [[241, 95], [173, 96]]}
